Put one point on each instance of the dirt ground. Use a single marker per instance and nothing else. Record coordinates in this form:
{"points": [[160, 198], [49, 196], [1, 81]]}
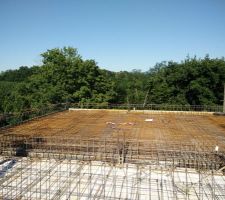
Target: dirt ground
{"points": [[150, 126]]}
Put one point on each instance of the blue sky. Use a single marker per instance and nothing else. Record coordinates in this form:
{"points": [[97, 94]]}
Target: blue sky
{"points": [[117, 34]]}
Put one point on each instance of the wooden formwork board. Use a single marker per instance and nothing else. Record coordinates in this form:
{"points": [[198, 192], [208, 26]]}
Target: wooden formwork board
{"points": [[171, 127]]}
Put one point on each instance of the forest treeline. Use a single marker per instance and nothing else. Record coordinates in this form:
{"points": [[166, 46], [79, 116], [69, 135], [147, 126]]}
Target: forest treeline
{"points": [[64, 77]]}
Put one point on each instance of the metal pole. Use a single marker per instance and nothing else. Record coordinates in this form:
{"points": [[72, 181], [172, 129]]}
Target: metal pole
{"points": [[224, 99]]}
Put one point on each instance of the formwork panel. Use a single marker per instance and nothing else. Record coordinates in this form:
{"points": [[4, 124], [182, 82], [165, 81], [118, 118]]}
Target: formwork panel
{"points": [[54, 179]]}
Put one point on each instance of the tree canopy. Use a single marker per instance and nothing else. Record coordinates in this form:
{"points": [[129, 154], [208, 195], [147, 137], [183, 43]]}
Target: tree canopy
{"points": [[65, 77]]}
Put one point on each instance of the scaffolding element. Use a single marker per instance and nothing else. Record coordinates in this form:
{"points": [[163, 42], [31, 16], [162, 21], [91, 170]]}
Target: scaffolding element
{"points": [[99, 154], [224, 99]]}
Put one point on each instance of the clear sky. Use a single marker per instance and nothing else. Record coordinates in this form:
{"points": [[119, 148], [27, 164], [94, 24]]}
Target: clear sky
{"points": [[117, 34]]}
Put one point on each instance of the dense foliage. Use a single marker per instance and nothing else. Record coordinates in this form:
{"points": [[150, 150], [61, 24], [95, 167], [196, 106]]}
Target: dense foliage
{"points": [[194, 82], [65, 77]]}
